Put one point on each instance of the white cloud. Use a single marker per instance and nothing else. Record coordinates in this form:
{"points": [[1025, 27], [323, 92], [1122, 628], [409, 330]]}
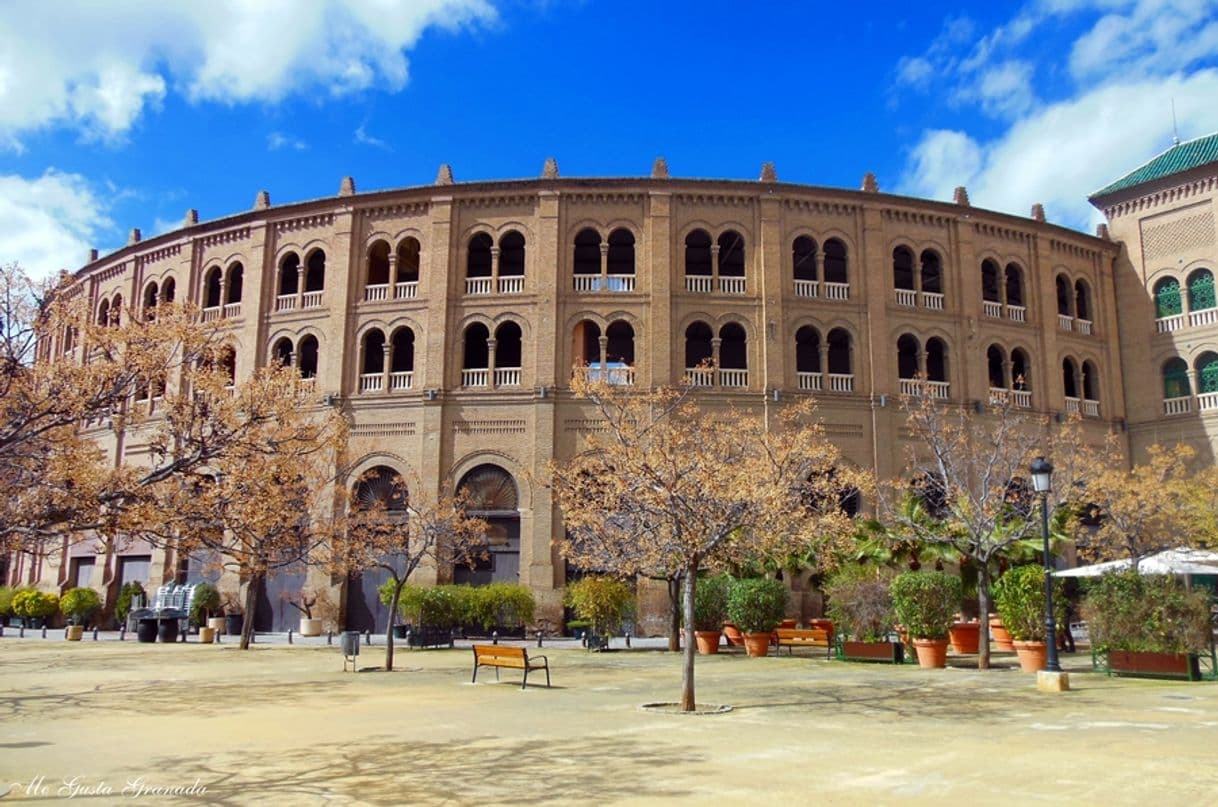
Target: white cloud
{"points": [[49, 223], [1154, 36], [98, 66], [278, 140], [1004, 90], [365, 139]]}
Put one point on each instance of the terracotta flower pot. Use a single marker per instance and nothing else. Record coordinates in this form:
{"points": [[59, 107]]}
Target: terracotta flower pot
{"points": [[1032, 655], [708, 641], [965, 636], [757, 644], [733, 635], [822, 624], [1000, 635], [931, 652], [75, 632], [207, 635]]}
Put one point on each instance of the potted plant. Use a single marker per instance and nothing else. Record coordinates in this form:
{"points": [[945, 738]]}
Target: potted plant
{"points": [[34, 607], [305, 603], [122, 606], [925, 604], [710, 610], [6, 603], [1147, 625], [205, 600], [78, 604], [603, 601], [234, 619], [756, 606], [1019, 596], [860, 606]]}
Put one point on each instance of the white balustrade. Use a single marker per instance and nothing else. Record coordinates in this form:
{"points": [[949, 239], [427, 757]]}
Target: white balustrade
{"points": [[621, 283], [406, 290], [232, 310], [813, 382], [1207, 401], [587, 282], [285, 302], [1206, 316], [698, 283], [1169, 324], [1023, 398], [1065, 322], [401, 380], [474, 378], [907, 297], [733, 378], [308, 384], [1091, 409], [837, 291], [1083, 326], [911, 386], [376, 293], [841, 382], [620, 376], [311, 299], [512, 284], [806, 288], [998, 396], [477, 285], [212, 314], [1178, 406], [370, 382], [731, 285], [991, 308], [699, 376], [1072, 405], [507, 376], [932, 300], [1017, 313]]}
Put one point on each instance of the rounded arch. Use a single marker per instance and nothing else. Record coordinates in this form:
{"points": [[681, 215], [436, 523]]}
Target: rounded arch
{"points": [[372, 346], [837, 259], [1065, 295], [475, 350], [492, 490], [733, 346], [409, 252], [804, 250], [1070, 377], [841, 351], [698, 348], [1021, 369], [1168, 300], [212, 284], [698, 260], [1201, 290], [1175, 378], [169, 289], [401, 345], [938, 359], [373, 459], [315, 270], [378, 263], [235, 283], [151, 296], [991, 288], [512, 254], [807, 349], [903, 267], [620, 257], [308, 351], [995, 362], [283, 351], [289, 274], [908, 349], [620, 346], [1091, 381], [1083, 300], [732, 257], [478, 255], [380, 487], [509, 344], [1014, 279], [931, 267], [586, 259], [1206, 367]]}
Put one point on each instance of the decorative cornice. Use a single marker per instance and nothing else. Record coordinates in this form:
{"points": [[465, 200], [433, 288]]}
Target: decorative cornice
{"points": [[498, 200], [304, 222], [997, 231], [111, 272], [1162, 197], [715, 199], [820, 208], [389, 211], [1073, 250], [402, 429], [170, 251], [605, 197], [489, 426], [915, 217], [224, 237]]}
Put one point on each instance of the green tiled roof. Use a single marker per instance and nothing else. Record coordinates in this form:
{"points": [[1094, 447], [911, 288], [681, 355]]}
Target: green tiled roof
{"points": [[1180, 157]]}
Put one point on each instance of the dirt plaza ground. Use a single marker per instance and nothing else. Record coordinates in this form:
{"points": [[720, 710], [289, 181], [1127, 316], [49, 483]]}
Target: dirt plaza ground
{"points": [[121, 723]]}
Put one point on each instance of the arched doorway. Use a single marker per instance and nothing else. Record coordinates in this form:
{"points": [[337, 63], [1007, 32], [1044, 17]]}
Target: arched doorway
{"points": [[378, 488], [493, 496]]}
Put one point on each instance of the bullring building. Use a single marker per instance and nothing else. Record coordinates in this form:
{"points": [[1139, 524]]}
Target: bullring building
{"points": [[447, 320]]}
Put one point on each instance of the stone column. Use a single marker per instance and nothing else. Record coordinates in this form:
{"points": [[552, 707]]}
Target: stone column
{"points": [[714, 267], [604, 265], [393, 277], [495, 269], [490, 361]]}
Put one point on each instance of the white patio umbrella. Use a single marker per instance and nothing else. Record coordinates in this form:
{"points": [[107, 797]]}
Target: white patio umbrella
{"points": [[1171, 561]]}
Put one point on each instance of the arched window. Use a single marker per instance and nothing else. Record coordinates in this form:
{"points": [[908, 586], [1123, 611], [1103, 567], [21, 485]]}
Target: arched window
{"points": [[1175, 378], [228, 360], [213, 286], [282, 353], [380, 488], [995, 360], [587, 342], [1082, 301], [103, 313], [511, 255], [932, 272], [1070, 377], [410, 255], [402, 346], [1091, 382], [236, 279], [289, 274], [807, 350], [698, 253], [698, 348], [308, 357], [907, 356], [476, 353], [1065, 297], [936, 360], [733, 347], [315, 272], [378, 264], [1167, 298], [374, 352], [1014, 284], [150, 300], [836, 270], [1021, 370], [903, 268], [493, 497], [621, 259], [587, 252], [507, 346], [168, 290], [840, 361], [731, 254], [116, 310], [478, 262], [1207, 372], [1201, 290], [990, 291], [803, 258], [620, 349]]}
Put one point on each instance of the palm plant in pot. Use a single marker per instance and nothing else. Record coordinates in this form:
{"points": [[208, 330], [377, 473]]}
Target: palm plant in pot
{"points": [[78, 604], [756, 606], [860, 607], [925, 604], [1019, 596], [710, 610]]}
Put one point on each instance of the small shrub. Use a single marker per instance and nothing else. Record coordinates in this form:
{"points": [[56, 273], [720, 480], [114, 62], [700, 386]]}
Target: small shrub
{"points": [[860, 603], [926, 602], [78, 604], [6, 600], [710, 602], [431, 606], [503, 604], [603, 601], [1150, 613], [32, 604], [206, 599], [757, 605], [1019, 596], [122, 606]]}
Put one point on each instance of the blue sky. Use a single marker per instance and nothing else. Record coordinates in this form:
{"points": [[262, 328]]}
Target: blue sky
{"points": [[124, 114]]}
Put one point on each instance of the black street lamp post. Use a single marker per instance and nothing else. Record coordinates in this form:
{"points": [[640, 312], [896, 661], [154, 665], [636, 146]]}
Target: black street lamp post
{"points": [[1042, 474]]}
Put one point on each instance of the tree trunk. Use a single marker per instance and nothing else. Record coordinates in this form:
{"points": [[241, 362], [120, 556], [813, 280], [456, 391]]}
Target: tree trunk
{"points": [[251, 605], [674, 613], [393, 615], [983, 616], [687, 662]]}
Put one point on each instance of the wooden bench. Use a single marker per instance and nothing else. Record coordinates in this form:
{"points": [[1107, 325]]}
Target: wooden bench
{"points": [[792, 638], [516, 658]]}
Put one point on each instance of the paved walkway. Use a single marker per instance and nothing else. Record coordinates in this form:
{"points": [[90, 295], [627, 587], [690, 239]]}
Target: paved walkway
{"points": [[284, 725]]}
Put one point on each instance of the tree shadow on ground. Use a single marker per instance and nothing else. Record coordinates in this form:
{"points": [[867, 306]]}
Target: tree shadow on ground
{"points": [[389, 770]]}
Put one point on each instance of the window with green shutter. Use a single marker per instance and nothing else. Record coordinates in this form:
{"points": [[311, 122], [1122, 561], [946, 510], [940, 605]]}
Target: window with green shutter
{"points": [[1201, 291], [1167, 299]]}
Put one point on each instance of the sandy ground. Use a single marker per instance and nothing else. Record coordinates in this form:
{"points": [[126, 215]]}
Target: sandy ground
{"points": [[284, 725]]}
